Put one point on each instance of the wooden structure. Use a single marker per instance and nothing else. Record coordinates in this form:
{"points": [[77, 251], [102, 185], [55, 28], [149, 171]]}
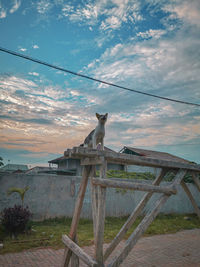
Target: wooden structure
{"points": [[89, 159]]}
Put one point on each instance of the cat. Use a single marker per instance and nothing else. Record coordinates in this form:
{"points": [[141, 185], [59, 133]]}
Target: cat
{"points": [[97, 135]]}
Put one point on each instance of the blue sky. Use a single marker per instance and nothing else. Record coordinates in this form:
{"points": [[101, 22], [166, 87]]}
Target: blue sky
{"points": [[151, 46]]}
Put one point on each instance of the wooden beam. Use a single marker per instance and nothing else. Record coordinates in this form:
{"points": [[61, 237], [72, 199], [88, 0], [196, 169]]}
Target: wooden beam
{"points": [[137, 211], [134, 186], [74, 260], [141, 228], [78, 251], [87, 171], [101, 198], [195, 177], [122, 158], [190, 196]]}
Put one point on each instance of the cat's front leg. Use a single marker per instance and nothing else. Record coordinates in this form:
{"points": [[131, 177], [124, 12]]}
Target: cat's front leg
{"points": [[94, 145], [102, 144]]}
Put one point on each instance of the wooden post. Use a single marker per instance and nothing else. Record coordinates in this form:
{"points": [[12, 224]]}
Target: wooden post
{"points": [[133, 216], [190, 196], [94, 203], [79, 203], [99, 236]]}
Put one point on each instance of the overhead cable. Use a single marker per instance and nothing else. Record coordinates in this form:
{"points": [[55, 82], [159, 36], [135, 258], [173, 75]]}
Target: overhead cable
{"points": [[93, 79]]}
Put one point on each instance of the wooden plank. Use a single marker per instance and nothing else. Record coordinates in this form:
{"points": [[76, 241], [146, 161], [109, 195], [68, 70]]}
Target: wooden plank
{"points": [[99, 237], [190, 196], [133, 216], [141, 228], [134, 186], [195, 177], [77, 212], [78, 251], [115, 157]]}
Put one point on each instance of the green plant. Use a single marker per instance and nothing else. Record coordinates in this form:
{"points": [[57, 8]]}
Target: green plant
{"points": [[1, 161], [15, 220], [20, 191]]}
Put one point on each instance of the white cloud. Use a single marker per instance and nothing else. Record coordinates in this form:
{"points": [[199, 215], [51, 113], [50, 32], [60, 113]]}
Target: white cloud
{"points": [[188, 11], [22, 49], [16, 5], [108, 14], [33, 73], [35, 46], [43, 6], [151, 34], [2, 12]]}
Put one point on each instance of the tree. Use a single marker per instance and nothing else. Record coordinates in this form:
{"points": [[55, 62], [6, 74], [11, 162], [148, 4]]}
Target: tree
{"points": [[20, 191], [1, 161]]}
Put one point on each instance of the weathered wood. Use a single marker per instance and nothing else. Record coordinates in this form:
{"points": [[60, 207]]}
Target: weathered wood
{"points": [[74, 260], [91, 161], [74, 257], [134, 186], [178, 178], [77, 212], [94, 203], [188, 193], [196, 180], [141, 228], [78, 251], [133, 216], [99, 237], [148, 219], [114, 157]]}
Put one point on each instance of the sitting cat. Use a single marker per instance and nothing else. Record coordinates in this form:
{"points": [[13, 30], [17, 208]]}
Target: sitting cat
{"points": [[97, 135]]}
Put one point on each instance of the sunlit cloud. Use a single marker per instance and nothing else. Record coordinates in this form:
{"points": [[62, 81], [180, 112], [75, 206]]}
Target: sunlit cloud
{"points": [[16, 5]]}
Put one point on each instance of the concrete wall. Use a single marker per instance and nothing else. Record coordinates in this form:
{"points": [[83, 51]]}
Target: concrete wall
{"points": [[55, 195]]}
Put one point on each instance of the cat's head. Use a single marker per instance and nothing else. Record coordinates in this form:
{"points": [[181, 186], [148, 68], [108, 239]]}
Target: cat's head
{"points": [[102, 118]]}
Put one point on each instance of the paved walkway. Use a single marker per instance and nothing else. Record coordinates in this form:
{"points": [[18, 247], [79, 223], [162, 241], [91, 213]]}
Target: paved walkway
{"points": [[181, 249]]}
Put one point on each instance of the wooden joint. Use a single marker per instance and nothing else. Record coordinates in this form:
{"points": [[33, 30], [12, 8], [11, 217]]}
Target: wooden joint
{"points": [[79, 251]]}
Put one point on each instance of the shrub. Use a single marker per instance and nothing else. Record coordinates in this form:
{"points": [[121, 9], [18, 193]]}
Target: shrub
{"points": [[15, 220]]}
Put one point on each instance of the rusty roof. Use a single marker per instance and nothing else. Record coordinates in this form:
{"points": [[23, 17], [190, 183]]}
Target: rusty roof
{"points": [[154, 154]]}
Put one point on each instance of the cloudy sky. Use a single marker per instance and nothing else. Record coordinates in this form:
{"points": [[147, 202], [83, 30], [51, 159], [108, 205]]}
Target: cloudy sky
{"points": [[148, 45]]}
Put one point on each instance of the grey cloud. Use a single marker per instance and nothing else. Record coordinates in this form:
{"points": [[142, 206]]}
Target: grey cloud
{"points": [[28, 120]]}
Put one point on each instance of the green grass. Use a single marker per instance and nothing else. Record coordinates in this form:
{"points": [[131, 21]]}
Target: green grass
{"points": [[49, 232]]}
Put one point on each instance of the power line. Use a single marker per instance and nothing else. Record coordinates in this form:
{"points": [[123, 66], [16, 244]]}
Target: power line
{"points": [[91, 78]]}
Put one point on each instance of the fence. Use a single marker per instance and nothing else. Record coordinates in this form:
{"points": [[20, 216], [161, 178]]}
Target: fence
{"points": [[89, 159], [58, 194]]}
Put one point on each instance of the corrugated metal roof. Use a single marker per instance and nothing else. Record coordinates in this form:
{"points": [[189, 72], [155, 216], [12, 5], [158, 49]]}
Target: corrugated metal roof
{"points": [[154, 154], [14, 167]]}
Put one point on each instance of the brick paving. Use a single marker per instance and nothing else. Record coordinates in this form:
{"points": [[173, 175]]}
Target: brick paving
{"points": [[181, 249]]}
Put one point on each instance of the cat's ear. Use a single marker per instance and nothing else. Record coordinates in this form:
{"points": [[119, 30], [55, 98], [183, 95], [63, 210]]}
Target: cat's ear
{"points": [[106, 115], [98, 115]]}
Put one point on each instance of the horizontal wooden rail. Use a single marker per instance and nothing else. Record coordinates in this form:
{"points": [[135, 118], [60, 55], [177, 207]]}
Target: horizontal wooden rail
{"points": [[78, 251], [114, 157], [134, 186]]}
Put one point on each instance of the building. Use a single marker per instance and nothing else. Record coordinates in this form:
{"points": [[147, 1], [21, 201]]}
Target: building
{"points": [[73, 166], [149, 154], [14, 168]]}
